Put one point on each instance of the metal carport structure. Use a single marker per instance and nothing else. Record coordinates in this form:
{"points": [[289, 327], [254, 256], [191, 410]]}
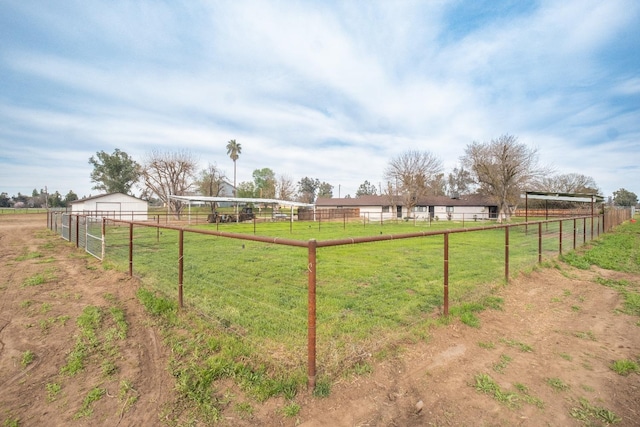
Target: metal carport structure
{"points": [[275, 202]]}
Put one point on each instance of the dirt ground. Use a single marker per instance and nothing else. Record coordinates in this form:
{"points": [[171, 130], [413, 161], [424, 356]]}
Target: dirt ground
{"points": [[549, 350]]}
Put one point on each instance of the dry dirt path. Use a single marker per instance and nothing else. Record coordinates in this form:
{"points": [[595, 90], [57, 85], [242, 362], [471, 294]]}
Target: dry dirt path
{"points": [[41, 318], [556, 326]]}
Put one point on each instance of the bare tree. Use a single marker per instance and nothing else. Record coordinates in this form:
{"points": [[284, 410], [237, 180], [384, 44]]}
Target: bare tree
{"points": [[285, 188], [211, 183], [414, 175], [169, 173], [503, 167], [569, 183]]}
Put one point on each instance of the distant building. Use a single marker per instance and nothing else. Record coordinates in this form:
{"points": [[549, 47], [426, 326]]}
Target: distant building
{"points": [[384, 207], [114, 205]]}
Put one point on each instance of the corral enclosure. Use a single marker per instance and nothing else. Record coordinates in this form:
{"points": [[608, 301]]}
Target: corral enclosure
{"points": [[370, 296]]}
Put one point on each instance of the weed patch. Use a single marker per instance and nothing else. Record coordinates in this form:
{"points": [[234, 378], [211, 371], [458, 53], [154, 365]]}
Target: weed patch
{"points": [[27, 358], [485, 384], [592, 415], [625, 367], [525, 348], [557, 384], [291, 410], [38, 279], [53, 389], [93, 396], [502, 364]]}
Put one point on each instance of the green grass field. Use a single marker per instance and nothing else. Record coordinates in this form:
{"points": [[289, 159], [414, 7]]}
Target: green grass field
{"points": [[246, 301], [370, 296]]}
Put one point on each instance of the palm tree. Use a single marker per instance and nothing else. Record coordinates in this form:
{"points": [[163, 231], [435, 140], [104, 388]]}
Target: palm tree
{"points": [[233, 150]]}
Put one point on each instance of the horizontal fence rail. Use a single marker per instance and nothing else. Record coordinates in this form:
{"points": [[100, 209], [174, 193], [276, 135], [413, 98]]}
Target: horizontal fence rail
{"points": [[146, 245]]}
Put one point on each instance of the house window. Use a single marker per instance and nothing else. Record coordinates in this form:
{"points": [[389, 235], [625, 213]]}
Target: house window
{"points": [[449, 209], [385, 209], [419, 208]]}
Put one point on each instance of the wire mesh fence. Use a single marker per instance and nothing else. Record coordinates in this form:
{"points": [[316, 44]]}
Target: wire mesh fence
{"points": [[370, 290]]}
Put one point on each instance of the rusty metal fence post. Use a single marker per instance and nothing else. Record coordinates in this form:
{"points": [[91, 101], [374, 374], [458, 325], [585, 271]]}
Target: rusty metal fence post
{"points": [[446, 274], [560, 239], [506, 253], [540, 241], [180, 266], [311, 320], [130, 249]]}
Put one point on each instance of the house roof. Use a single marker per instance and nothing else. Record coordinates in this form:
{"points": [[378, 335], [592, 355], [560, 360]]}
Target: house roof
{"points": [[99, 196], [467, 200]]}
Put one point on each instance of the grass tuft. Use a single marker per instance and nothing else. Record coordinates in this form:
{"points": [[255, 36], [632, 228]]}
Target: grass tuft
{"points": [[625, 367], [557, 384], [27, 358]]}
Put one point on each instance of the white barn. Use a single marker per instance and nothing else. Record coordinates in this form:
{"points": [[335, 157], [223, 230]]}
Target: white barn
{"points": [[113, 205]]}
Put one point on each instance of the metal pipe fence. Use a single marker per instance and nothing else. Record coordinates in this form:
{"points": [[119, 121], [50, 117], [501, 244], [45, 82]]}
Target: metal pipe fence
{"points": [[215, 267]]}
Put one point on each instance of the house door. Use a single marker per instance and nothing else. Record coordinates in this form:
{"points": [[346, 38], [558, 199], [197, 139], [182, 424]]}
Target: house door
{"points": [[432, 211], [493, 212], [399, 211]]}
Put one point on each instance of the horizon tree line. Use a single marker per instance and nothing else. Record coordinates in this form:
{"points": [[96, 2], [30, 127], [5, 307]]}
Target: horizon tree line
{"points": [[501, 169]]}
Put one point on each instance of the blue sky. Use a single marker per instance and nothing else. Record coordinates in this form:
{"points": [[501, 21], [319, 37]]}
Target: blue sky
{"points": [[328, 90]]}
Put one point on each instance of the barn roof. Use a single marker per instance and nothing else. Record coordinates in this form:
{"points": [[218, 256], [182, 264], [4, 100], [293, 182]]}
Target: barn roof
{"points": [[99, 196]]}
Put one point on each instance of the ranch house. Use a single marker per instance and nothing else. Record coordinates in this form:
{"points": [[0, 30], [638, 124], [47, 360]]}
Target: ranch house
{"points": [[113, 205], [472, 207]]}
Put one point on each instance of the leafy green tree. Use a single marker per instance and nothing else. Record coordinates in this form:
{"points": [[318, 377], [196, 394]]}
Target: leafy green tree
{"points": [[114, 173], [246, 189], [233, 151], [307, 188], [4, 200], [366, 189], [624, 197], [70, 197], [265, 183], [55, 201], [325, 190]]}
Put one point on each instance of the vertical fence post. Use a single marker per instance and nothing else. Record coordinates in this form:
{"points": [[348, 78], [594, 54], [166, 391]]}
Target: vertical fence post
{"points": [[584, 230], [446, 274], [506, 253], [540, 242], [77, 231], [130, 249], [574, 234], [311, 319], [180, 266], [560, 239]]}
